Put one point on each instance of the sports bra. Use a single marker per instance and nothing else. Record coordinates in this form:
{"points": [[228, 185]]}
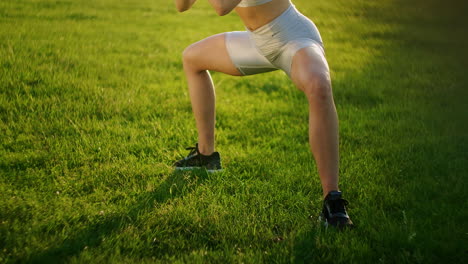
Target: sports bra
{"points": [[247, 3]]}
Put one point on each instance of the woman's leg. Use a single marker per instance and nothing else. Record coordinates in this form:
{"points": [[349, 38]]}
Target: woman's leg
{"points": [[310, 73], [198, 58]]}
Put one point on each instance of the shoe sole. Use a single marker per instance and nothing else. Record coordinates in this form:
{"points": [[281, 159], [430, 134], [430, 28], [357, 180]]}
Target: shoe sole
{"points": [[197, 168]]}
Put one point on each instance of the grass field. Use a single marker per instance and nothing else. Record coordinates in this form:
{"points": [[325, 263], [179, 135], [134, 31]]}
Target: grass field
{"points": [[94, 109]]}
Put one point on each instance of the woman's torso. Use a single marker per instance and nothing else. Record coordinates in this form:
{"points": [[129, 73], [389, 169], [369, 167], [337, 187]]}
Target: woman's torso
{"points": [[257, 16]]}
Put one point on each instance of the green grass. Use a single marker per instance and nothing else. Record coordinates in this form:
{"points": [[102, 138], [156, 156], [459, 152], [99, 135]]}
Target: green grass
{"points": [[94, 110]]}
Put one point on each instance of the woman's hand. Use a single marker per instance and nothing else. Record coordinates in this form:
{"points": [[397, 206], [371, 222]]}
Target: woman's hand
{"points": [[184, 5]]}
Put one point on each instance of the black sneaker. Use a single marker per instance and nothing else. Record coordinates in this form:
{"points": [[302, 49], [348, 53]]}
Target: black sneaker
{"points": [[196, 160], [334, 211]]}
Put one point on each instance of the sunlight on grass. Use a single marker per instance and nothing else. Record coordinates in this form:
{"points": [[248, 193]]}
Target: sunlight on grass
{"points": [[94, 110]]}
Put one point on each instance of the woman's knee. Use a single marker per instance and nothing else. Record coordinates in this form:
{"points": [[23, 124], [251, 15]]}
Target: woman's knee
{"points": [[317, 85], [190, 56]]}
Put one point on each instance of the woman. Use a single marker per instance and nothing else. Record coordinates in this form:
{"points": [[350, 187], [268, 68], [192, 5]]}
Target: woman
{"points": [[277, 37]]}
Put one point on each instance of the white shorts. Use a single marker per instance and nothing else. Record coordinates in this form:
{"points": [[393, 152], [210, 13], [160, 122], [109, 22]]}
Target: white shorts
{"points": [[273, 45]]}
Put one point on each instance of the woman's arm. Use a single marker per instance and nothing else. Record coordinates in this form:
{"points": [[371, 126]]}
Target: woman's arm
{"points": [[184, 5], [224, 7]]}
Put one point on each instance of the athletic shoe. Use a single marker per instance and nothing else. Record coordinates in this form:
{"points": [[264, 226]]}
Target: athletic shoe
{"points": [[196, 160], [334, 211]]}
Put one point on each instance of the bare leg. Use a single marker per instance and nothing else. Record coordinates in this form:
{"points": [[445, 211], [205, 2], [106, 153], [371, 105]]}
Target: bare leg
{"points": [[310, 73], [207, 54]]}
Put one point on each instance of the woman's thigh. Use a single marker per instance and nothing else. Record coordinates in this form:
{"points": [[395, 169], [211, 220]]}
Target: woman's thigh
{"points": [[210, 54], [232, 53]]}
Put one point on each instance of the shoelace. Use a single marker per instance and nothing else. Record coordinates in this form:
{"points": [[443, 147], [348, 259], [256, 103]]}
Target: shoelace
{"points": [[193, 151]]}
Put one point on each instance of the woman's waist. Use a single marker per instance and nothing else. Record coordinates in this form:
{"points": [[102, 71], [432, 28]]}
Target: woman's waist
{"points": [[291, 24], [257, 16]]}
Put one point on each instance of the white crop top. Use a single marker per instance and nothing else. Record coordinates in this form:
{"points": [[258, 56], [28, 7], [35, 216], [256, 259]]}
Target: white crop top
{"points": [[247, 3]]}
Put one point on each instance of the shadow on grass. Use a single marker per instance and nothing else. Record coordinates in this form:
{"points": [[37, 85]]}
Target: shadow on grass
{"points": [[176, 185]]}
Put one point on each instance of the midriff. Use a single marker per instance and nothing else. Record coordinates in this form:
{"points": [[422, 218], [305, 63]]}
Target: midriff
{"points": [[257, 16]]}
